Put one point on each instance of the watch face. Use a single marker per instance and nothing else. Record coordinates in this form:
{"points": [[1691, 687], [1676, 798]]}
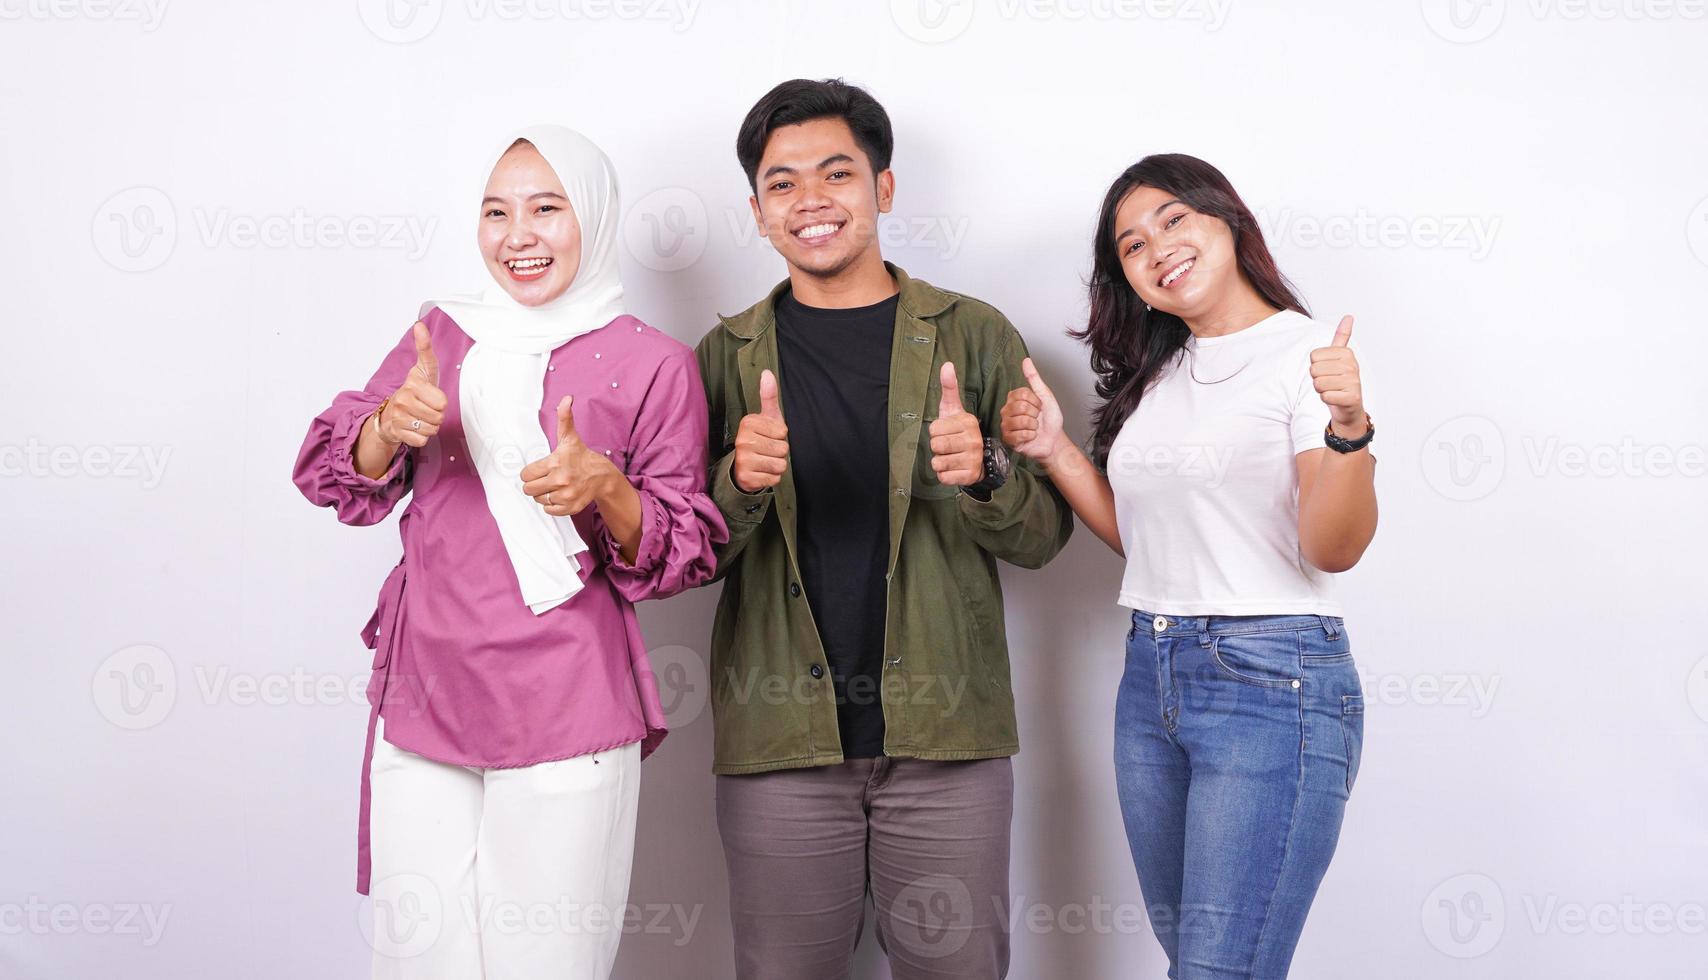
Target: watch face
{"points": [[996, 458]]}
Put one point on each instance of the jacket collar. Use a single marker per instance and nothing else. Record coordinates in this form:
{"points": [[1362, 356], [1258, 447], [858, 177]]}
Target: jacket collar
{"points": [[918, 298]]}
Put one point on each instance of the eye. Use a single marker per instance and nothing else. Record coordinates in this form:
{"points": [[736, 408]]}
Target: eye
{"points": [[1176, 219], [1133, 248], [494, 213], [545, 208], [781, 185], [840, 173]]}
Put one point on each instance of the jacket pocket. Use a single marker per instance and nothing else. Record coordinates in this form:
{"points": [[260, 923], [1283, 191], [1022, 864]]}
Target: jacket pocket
{"points": [[1352, 729], [381, 631]]}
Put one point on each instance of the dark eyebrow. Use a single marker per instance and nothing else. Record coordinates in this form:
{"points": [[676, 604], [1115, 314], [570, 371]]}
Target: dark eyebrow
{"points": [[531, 197], [827, 161], [1160, 209]]}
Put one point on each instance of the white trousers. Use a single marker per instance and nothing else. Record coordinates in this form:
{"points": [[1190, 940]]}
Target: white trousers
{"points": [[504, 874]]}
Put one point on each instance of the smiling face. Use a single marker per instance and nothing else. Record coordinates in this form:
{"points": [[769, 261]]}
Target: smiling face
{"points": [[1178, 260], [529, 236], [817, 199]]}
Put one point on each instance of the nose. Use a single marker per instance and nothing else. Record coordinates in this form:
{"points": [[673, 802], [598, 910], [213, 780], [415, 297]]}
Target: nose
{"points": [[813, 197], [521, 233]]}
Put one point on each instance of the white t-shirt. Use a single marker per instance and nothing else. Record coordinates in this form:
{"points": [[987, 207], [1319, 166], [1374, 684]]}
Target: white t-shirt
{"points": [[1205, 480]]}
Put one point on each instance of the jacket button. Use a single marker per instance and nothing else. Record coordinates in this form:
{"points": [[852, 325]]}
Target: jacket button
{"points": [[752, 507], [816, 671], [795, 590]]}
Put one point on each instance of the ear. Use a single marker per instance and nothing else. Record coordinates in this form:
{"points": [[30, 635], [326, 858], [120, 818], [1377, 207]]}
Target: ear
{"points": [[886, 191], [758, 218]]}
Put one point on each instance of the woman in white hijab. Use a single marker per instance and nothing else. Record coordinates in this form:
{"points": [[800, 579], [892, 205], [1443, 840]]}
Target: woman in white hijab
{"points": [[553, 448]]}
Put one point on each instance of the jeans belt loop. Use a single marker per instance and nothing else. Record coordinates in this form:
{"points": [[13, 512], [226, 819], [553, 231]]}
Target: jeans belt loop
{"points": [[1204, 632], [1328, 626]]}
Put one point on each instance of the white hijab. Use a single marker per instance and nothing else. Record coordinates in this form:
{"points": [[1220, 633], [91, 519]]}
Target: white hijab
{"points": [[502, 380]]}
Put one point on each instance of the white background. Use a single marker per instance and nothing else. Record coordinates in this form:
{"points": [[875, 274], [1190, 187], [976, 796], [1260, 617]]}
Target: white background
{"points": [[1511, 196]]}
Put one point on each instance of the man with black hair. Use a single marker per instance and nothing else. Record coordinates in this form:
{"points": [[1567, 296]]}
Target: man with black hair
{"points": [[860, 680]]}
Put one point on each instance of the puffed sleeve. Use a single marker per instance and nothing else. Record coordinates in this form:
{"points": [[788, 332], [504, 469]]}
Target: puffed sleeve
{"points": [[680, 525], [325, 469]]}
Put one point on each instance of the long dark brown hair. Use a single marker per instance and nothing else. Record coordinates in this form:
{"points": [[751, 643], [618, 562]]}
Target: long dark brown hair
{"points": [[1130, 344]]}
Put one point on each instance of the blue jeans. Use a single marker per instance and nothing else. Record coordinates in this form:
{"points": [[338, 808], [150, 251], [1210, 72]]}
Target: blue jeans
{"points": [[1236, 745]]}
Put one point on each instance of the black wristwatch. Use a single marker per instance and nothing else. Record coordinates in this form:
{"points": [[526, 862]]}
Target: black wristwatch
{"points": [[1340, 445], [996, 468]]}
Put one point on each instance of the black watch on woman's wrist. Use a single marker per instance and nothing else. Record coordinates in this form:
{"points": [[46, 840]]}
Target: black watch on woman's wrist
{"points": [[1340, 445]]}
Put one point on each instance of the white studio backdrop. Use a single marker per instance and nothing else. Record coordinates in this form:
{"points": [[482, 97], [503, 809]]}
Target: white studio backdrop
{"points": [[217, 215]]}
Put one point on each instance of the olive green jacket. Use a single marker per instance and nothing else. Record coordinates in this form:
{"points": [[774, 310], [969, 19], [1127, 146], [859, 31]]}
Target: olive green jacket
{"points": [[945, 681]]}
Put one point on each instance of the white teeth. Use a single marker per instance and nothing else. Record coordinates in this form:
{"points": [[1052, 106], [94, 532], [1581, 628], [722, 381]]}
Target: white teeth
{"points": [[814, 231], [1178, 271], [527, 263]]}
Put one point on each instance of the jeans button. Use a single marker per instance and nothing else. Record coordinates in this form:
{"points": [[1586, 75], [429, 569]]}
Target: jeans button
{"points": [[1160, 623]]}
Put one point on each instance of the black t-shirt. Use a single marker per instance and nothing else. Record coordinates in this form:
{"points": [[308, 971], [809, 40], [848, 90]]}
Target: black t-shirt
{"points": [[835, 379]]}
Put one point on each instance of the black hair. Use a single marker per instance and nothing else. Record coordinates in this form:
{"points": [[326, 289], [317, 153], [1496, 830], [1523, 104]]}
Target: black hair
{"points": [[1132, 343], [801, 100]]}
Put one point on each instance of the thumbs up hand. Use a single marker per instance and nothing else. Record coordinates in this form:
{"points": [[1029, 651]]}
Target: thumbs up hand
{"points": [[762, 442], [417, 408], [957, 444], [1031, 418], [571, 476], [1334, 370]]}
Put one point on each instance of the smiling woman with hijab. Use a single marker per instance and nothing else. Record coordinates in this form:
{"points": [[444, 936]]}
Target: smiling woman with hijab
{"points": [[554, 448]]}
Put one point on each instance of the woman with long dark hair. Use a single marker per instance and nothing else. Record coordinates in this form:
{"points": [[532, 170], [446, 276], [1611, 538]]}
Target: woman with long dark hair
{"points": [[1230, 467]]}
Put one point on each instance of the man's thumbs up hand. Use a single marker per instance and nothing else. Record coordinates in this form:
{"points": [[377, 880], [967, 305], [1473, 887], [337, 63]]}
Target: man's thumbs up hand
{"points": [[762, 442], [957, 444]]}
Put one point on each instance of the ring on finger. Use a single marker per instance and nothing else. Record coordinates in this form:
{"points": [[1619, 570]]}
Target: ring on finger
{"points": [[415, 424]]}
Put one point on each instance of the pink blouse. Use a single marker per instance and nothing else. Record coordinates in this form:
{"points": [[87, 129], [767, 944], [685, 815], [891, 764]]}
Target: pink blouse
{"points": [[464, 672]]}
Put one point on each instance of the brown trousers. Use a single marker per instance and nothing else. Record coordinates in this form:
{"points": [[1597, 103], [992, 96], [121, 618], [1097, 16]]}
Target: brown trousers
{"points": [[927, 840]]}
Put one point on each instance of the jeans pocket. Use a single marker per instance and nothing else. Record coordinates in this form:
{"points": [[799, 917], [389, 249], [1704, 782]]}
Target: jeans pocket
{"points": [[1260, 659], [1352, 728]]}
